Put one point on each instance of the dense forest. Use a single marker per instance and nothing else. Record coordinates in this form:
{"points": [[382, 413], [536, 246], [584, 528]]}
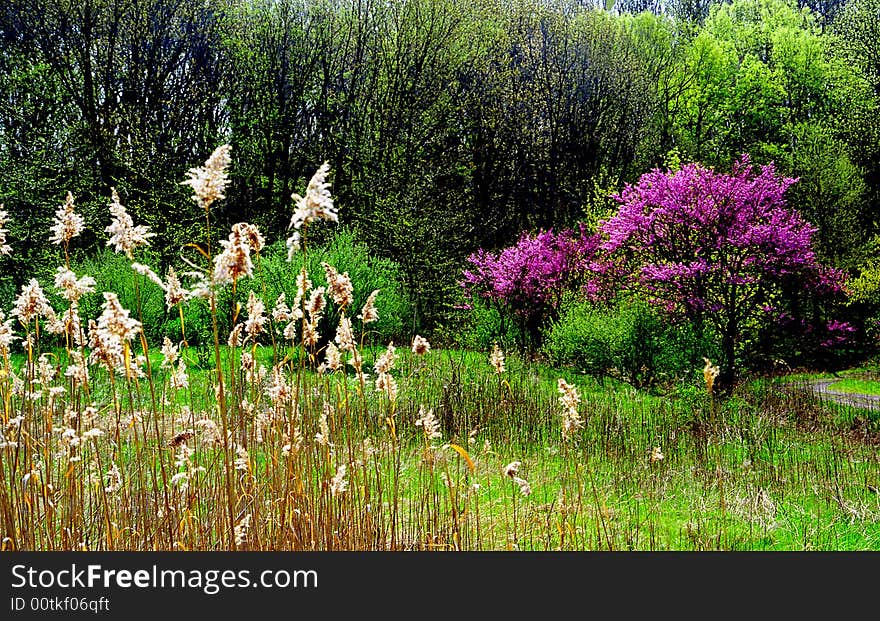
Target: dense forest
{"points": [[448, 125]]}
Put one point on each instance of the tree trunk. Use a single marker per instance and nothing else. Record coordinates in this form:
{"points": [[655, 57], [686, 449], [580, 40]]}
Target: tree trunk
{"points": [[727, 375]]}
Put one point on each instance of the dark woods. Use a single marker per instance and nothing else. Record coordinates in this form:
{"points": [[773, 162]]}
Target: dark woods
{"points": [[449, 125]]}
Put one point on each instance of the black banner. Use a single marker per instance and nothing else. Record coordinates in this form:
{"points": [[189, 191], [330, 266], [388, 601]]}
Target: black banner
{"points": [[405, 584]]}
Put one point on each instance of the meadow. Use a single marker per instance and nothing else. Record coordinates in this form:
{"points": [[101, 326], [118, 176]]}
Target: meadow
{"points": [[276, 437], [464, 458]]}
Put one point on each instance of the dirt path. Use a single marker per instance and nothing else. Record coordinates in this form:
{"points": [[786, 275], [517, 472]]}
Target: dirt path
{"points": [[821, 388]]}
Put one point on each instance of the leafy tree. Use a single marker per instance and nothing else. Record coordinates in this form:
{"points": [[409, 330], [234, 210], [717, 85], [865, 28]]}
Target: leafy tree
{"points": [[857, 30], [831, 192], [136, 87], [282, 54], [559, 110], [761, 68], [858, 26], [766, 78]]}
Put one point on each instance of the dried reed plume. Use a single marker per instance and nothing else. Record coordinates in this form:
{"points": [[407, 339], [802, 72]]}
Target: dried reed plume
{"points": [[339, 286], [317, 204], [369, 313], [7, 335], [512, 470], [339, 482], [209, 181], [570, 399], [67, 223], [5, 249], [124, 235], [32, 303], [496, 359], [710, 372], [429, 423], [174, 291], [71, 287], [234, 261], [420, 345]]}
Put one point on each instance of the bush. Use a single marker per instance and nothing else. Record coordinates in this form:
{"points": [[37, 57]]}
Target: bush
{"points": [[113, 272], [628, 340], [528, 279], [274, 275], [482, 324]]}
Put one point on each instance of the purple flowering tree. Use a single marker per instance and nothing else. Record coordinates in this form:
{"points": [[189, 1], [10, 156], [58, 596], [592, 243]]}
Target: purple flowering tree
{"points": [[527, 280], [712, 247]]}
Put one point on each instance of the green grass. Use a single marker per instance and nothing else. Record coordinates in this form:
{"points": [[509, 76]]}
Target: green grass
{"points": [[864, 387], [762, 470]]}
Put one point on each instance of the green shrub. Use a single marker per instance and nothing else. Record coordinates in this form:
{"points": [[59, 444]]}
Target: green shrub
{"points": [[274, 275], [479, 326], [112, 272], [628, 340], [199, 329]]}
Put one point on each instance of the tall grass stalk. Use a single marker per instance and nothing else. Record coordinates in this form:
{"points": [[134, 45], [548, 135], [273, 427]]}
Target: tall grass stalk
{"points": [[271, 445]]}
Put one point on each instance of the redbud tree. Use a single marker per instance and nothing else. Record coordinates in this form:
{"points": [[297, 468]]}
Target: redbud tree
{"points": [[719, 248], [526, 281]]}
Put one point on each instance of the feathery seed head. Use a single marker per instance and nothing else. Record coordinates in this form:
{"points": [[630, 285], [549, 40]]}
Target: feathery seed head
{"points": [[386, 383], [429, 423], [339, 482], [332, 358], [656, 454], [4, 219], [174, 291], [420, 345], [571, 419], [317, 204], [209, 181], [344, 336], [235, 260], [256, 316], [71, 287], [369, 313], [7, 335], [281, 312], [385, 362], [496, 359], [315, 305], [124, 235], [339, 286], [31, 303], [67, 223], [512, 469], [710, 372]]}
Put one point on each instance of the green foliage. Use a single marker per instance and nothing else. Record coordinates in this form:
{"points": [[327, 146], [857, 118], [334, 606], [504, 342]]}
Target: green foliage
{"points": [[274, 275], [865, 289], [112, 272], [866, 286], [758, 69], [481, 325], [830, 192], [198, 328], [627, 340]]}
